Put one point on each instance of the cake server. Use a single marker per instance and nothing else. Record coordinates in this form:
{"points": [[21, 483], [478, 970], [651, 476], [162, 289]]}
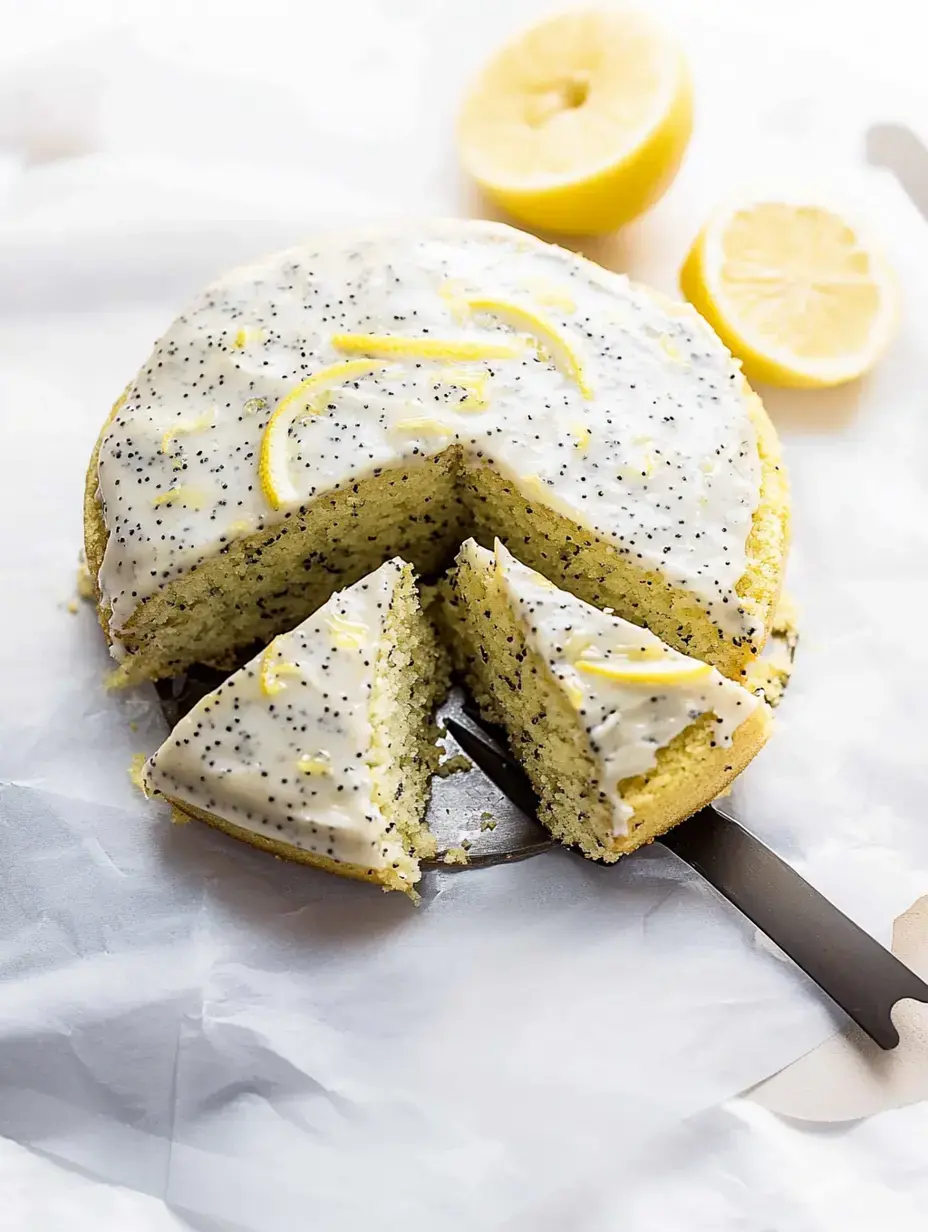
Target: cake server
{"points": [[858, 973]]}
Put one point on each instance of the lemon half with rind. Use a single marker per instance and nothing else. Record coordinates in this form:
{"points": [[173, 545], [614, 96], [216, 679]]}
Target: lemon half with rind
{"points": [[581, 122], [796, 291]]}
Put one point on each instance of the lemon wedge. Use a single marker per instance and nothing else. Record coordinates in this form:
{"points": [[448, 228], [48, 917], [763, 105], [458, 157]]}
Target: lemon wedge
{"points": [[794, 291], [645, 671], [581, 122], [395, 347], [549, 341], [273, 461]]}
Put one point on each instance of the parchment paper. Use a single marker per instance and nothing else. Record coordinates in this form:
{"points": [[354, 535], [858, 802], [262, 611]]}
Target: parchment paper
{"points": [[267, 1048]]}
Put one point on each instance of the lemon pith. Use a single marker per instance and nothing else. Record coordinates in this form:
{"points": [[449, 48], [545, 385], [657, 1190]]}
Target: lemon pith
{"points": [[793, 291], [580, 123]]}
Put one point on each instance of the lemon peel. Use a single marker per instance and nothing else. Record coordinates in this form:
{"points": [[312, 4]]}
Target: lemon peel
{"points": [[191, 497], [581, 434], [395, 346], [424, 427], [473, 383], [549, 341], [316, 766], [645, 671], [347, 634], [272, 461], [270, 670]]}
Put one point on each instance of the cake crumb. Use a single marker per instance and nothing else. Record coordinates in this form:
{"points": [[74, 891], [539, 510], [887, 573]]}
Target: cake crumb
{"points": [[84, 582], [487, 821], [135, 772], [456, 855], [72, 606], [458, 764]]}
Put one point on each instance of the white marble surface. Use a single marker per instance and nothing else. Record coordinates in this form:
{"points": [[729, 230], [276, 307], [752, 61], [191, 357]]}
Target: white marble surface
{"points": [[232, 104]]}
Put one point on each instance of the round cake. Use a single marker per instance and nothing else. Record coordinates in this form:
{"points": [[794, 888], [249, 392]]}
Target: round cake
{"points": [[384, 394]]}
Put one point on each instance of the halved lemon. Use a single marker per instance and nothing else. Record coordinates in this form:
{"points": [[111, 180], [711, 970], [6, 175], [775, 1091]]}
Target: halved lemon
{"points": [[793, 290], [580, 123]]}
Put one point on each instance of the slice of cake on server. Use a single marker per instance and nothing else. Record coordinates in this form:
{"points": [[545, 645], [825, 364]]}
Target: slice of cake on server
{"points": [[621, 736], [321, 748]]}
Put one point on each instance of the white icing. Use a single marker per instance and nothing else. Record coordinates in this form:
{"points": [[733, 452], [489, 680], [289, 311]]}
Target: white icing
{"points": [[626, 724], [660, 459], [291, 763]]}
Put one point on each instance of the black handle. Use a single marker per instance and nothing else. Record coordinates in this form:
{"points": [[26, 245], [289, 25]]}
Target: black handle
{"points": [[863, 977]]}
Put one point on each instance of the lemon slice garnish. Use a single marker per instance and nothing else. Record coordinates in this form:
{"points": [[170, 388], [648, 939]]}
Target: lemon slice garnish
{"points": [[272, 668], [317, 765], [645, 671], [580, 123], [273, 461], [795, 291], [393, 346], [347, 634], [549, 342]]}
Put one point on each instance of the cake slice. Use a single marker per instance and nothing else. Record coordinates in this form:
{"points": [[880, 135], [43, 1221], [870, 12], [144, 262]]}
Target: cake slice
{"points": [[322, 747], [621, 736]]}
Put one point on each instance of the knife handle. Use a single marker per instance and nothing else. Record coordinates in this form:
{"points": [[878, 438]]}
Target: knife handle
{"points": [[858, 973]]}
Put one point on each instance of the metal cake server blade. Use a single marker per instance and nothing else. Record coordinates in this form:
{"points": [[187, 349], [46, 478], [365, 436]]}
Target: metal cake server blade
{"points": [[858, 973]]}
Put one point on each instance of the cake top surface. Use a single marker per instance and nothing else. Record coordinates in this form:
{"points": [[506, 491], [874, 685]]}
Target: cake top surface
{"points": [[632, 693], [317, 367], [281, 748]]}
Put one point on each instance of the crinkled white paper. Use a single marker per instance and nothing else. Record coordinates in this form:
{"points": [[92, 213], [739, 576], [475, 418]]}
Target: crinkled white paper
{"points": [[267, 1048]]}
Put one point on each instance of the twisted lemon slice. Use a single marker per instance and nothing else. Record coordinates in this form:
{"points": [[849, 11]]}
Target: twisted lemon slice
{"points": [[549, 341], [273, 461], [645, 671], [271, 668], [395, 347]]}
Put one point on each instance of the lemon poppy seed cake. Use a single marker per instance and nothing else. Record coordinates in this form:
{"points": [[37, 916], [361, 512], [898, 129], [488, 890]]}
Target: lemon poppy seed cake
{"points": [[321, 749], [621, 736], [388, 394]]}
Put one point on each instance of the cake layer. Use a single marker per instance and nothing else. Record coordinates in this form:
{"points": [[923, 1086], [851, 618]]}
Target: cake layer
{"points": [[383, 393], [621, 735], [321, 748]]}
